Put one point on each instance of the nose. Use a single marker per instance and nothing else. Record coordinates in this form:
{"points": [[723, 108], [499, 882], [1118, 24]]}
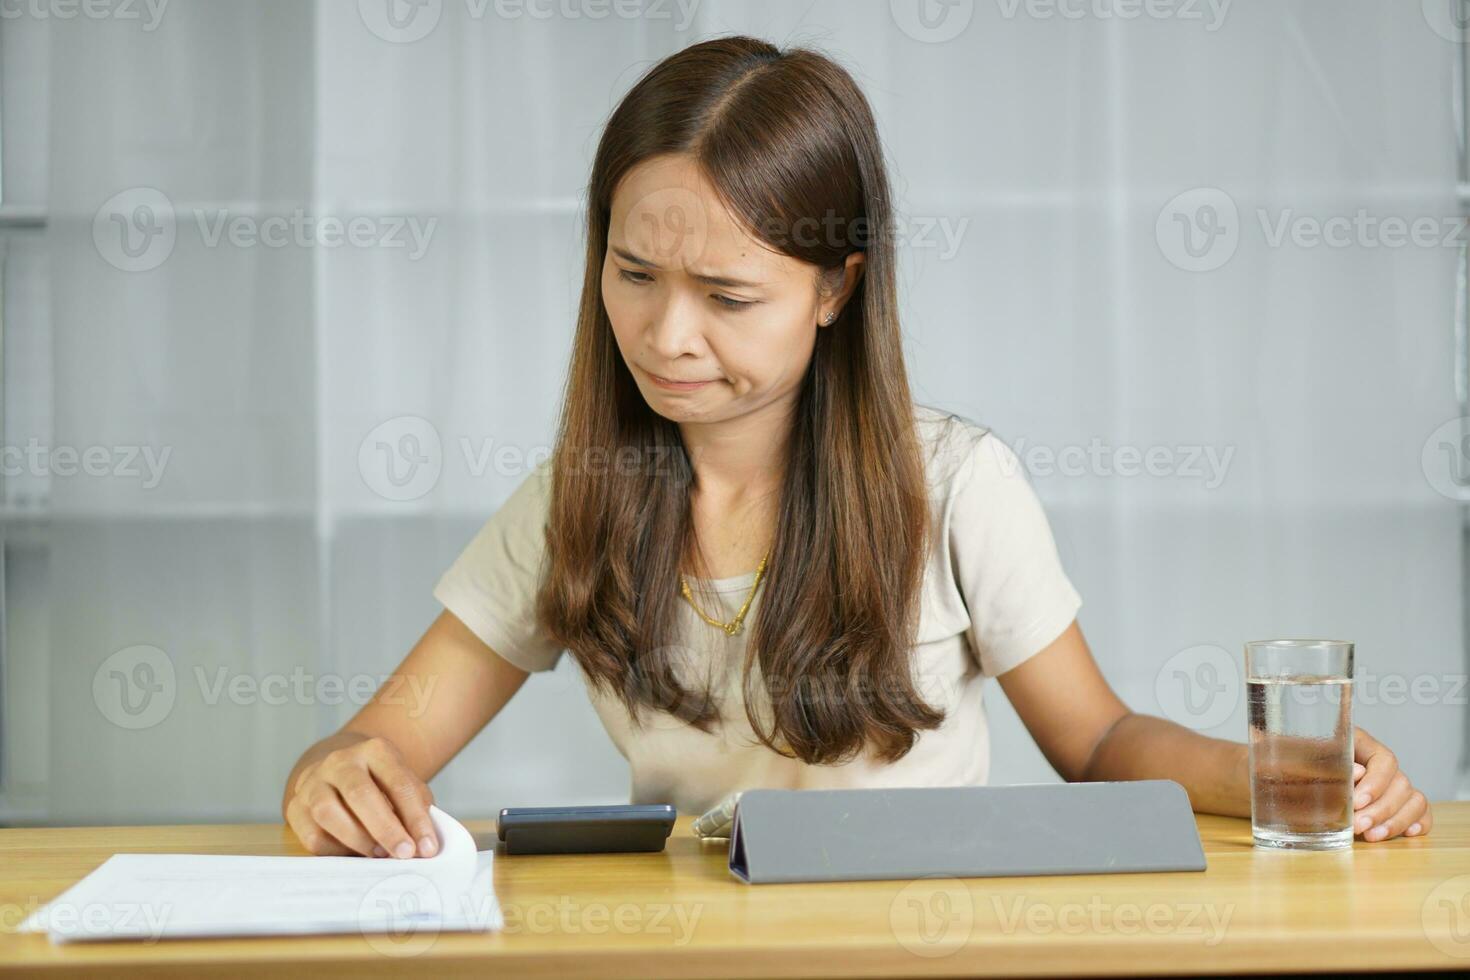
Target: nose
{"points": [[674, 329]]}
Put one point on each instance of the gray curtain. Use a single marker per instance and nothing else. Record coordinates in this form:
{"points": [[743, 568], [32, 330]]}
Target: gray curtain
{"points": [[330, 422]]}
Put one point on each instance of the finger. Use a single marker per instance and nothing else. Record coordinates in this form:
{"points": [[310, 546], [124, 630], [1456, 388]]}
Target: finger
{"points": [[1421, 826], [1358, 770], [1401, 820], [332, 815], [1370, 817], [376, 814], [410, 798], [312, 837], [1379, 763]]}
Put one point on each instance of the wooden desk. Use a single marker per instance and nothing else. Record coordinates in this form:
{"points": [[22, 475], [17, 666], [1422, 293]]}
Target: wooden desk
{"points": [[1401, 904]]}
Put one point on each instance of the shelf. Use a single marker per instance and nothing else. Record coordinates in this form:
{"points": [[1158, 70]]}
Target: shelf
{"points": [[22, 216]]}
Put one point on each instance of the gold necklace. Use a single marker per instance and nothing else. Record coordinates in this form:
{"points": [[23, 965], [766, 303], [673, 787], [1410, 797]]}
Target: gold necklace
{"points": [[735, 625]]}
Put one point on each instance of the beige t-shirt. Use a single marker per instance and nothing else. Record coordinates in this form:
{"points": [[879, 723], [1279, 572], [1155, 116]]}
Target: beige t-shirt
{"points": [[994, 593]]}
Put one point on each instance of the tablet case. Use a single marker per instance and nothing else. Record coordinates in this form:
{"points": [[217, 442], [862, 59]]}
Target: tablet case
{"points": [[782, 835]]}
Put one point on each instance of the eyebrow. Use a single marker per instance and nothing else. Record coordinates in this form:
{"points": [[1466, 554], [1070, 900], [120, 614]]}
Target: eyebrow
{"points": [[723, 281]]}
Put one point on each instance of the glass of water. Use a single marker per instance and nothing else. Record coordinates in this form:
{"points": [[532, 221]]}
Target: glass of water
{"points": [[1301, 742]]}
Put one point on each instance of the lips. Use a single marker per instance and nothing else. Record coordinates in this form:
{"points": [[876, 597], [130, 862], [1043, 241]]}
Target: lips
{"points": [[676, 385]]}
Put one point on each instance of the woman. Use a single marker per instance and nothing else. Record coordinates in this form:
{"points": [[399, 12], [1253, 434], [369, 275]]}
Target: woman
{"points": [[738, 400]]}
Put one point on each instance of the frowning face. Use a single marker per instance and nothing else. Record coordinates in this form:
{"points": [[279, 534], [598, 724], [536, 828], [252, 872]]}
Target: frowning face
{"points": [[711, 322]]}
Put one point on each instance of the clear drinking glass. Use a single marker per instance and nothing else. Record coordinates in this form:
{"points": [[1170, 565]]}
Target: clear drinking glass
{"points": [[1301, 742]]}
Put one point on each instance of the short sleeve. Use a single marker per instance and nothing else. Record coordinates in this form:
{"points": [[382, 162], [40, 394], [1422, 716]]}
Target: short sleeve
{"points": [[1005, 560], [492, 585]]}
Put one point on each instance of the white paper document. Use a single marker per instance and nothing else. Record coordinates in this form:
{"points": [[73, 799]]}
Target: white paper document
{"points": [[163, 896]]}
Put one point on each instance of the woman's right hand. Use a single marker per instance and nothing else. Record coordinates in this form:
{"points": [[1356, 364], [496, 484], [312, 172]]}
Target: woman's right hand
{"points": [[359, 796], [363, 790]]}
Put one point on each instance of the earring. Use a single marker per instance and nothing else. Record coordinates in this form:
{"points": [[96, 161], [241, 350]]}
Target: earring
{"points": [[827, 320]]}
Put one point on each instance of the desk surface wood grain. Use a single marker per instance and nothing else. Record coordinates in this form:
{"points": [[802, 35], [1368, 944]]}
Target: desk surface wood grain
{"points": [[1400, 904]]}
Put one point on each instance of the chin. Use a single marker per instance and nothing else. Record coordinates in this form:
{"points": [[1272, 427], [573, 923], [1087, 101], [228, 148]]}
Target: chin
{"points": [[674, 409]]}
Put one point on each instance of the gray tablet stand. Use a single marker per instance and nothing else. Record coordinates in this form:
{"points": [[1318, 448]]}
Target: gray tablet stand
{"points": [[964, 831]]}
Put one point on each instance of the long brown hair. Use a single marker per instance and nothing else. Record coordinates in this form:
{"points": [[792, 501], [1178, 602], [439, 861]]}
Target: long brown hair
{"points": [[782, 136]]}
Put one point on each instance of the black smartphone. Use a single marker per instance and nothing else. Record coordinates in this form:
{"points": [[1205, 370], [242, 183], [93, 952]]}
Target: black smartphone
{"points": [[585, 829]]}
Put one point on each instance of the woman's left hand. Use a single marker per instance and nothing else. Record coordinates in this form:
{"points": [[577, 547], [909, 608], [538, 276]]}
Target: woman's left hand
{"points": [[1385, 804]]}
